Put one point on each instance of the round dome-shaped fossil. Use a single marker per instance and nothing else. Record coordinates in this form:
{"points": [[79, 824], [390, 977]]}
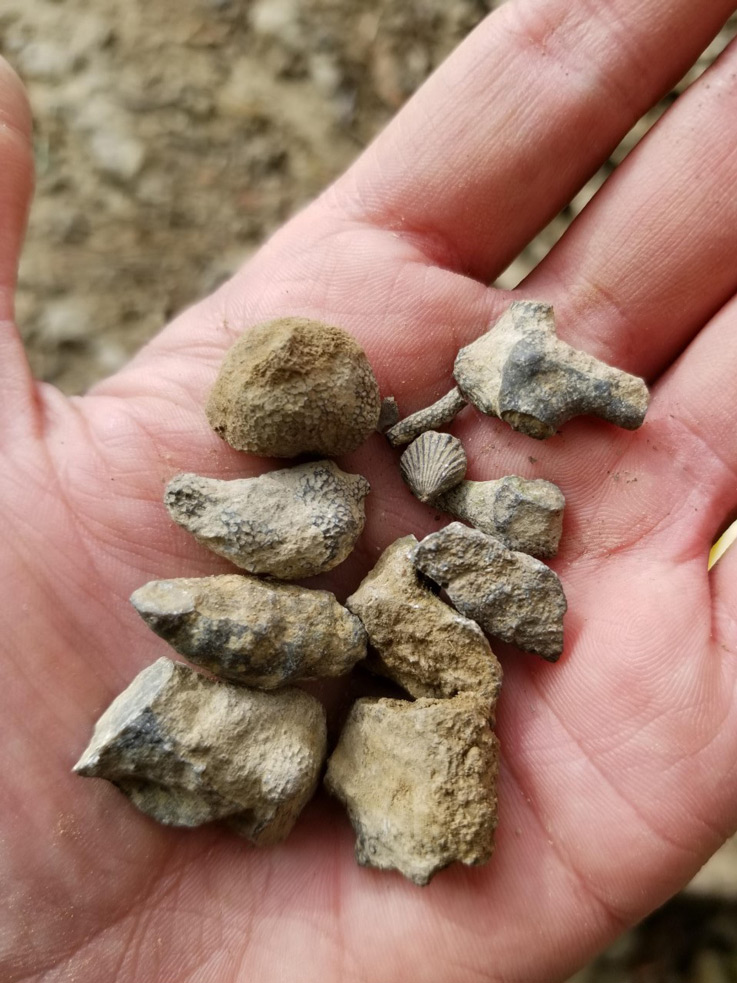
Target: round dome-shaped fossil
{"points": [[295, 386], [433, 464]]}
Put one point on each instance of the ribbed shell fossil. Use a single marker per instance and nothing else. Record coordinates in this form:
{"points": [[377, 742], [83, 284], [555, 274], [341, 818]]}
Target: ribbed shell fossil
{"points": [[433, 464]]}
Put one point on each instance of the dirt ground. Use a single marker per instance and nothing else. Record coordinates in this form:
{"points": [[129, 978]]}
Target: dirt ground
{"points": [[172, 136]]}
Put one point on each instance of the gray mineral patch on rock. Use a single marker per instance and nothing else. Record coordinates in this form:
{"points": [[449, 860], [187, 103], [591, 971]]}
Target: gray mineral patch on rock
{"points": [[432, 464], [431, 418], [420, 642], [524, 514], [292, 523], [521, 372], [252, 631], [419, 782], [187, 750], [295, 386], [512, 596]]}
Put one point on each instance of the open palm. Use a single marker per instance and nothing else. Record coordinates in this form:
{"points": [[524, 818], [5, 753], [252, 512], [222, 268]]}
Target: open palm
{"points": [[618, 775]]}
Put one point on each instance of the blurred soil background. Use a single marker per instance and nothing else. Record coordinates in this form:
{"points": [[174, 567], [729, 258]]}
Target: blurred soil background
{"points": [[172, 137]]}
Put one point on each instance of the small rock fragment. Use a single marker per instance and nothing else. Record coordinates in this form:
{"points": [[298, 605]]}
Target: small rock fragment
{"points": [[292, 523], [253, 631], [295, 386], [524, 514], [420, 641], [511, 595], [431, 418], [187, 750], [389, 414], [521, 372], [418, 780], [432, 464]]}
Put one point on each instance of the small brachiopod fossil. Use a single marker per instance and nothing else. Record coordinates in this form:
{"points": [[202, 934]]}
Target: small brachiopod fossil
{"points": [[292, 523], [420, 641], [261, 633], [524, 514], [431, 418], [521, 372], [295, 386], [187, 750], [433, 464], [419, 783], [512, 596]]}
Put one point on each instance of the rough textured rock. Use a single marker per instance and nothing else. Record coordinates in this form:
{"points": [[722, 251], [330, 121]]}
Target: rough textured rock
{"points": [[524, 514], [511, 595], [187, 750], [432, 464], [520, 371], [420, 642], [431, 418], [418, 780], [389, 414], [252, 631], [295, 386], [292, 523]]}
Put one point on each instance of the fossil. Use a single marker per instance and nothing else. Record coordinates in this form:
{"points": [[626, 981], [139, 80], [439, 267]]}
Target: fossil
{"points": [[420, 641], [430, 418], [521, 372], [419, 783], [512, 596], [524, 514], [187, 750], [256, 632], [291, 523], [389, 414], [433, 464], [295, 386]]}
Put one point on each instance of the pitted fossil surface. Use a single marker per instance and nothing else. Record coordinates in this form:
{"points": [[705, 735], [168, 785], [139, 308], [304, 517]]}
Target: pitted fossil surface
{"points": [[431, 418], [295, 386], [252, 631], [292, 523], [187, 750]]}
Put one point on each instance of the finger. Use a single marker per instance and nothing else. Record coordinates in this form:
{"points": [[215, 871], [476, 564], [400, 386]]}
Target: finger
{"points": [[518, 118], [652, 257], [16, 182]]}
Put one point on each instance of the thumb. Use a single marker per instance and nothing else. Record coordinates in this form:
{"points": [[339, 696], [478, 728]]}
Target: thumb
{"points": [[17, 399]]}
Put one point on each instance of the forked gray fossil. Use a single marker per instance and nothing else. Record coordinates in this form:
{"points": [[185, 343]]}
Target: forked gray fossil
{"points": [[523, 373]]}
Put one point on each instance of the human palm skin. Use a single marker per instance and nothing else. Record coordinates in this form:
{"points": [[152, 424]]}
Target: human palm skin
{"points": [[618, 775]]}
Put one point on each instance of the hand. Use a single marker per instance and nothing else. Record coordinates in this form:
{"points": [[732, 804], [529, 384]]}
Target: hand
{"points": [[618, 776]]}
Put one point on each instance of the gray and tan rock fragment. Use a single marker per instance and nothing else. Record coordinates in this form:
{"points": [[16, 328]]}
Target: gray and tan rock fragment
{"points": [[420, 642], [432, 464], [187, 750], [418, 781], [431, 418], [512, 596], [524, 514], [292, 523], [388, 415], [295, 386], [521, 372], [256, 632]]}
